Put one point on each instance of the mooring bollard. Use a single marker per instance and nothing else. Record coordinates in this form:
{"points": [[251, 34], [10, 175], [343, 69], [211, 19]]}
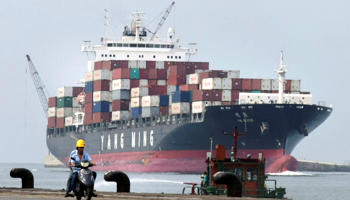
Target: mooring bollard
{"points": [[234, 185], [25, 175], [122, 180]]}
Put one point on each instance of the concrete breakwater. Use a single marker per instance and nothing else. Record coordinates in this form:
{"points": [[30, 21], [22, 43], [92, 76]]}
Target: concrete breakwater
{"points": [[315, 166]]}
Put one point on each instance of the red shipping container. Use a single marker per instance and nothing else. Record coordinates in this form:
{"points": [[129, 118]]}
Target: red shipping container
{"points": [[152, 74], [88, 97], [51, 122], [288, 85], [201, 95], [121, 73], [89, 108], [162, 89], [188, 87], [256, 84], [235, 95], [177, 70], [150, 64], [124, 64], [143, 73], [204, 65], [101, 85], [134, 83], [212, 74], [162, 74], [152, 82], [120, 105], [101, 117], [163, 110], [88, 119], [110, 64], [152, 89], [98, 65], [177, 80], [246, 84], [77, 91], [52, 102], [190, 69], [236, 84], [167, 64], [216, 95], [60, 122]]}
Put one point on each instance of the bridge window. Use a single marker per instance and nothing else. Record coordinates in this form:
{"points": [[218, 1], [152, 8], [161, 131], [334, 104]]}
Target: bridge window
{"points": [[113, 55], [127, 56], [133, 45], [179, 57], [154, 56], [125, 45], [149, 45], [109, 45], [156, 46], [119, 44], [171, 46], [110, 55], [141, 45], [168, 56], [171, 57], [168, 46], [101, 55], [162, 46], [175, 57], [105, 55]]}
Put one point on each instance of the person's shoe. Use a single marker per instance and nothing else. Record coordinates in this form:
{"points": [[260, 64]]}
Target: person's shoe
{"points": [[68, 195], [94, 194]]}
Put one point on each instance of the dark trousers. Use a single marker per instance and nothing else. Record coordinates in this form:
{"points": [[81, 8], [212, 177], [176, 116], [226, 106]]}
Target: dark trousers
{"points": [[74, 178], [69, 182]]}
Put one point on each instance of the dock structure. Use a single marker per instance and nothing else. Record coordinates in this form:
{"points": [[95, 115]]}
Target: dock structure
{"points": [[52, 161], [46, 194], [316, 166]]}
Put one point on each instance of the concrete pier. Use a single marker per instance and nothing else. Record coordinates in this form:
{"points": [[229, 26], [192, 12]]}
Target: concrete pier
{"points": [[46, 194], [52, 161], [315, 166]]}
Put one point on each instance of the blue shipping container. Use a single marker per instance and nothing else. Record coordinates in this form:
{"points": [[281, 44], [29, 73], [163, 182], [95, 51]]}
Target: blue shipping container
{"points": [[101, 106], [181, 96], [89, 87], [164, 100], [135, 112]]}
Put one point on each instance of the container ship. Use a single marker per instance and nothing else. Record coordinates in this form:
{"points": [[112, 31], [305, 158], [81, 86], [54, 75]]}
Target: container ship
{"points": [[146, 107]]}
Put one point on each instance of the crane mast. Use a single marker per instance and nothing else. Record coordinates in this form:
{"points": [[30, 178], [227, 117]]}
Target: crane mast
{"points": [[39, 86], [163, 19]]}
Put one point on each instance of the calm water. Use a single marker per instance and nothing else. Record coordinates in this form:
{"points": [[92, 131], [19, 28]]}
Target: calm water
{"points": [[302, 185]]}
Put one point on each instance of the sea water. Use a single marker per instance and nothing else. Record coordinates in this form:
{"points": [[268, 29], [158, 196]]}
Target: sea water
{"points": [[299, 185]]}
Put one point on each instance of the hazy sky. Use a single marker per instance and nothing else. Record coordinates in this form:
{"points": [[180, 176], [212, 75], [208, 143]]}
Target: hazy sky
{"points": [[231, 35]]}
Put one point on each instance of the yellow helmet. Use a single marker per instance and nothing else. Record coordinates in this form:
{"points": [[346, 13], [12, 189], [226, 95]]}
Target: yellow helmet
{"points": [[80, 143]]}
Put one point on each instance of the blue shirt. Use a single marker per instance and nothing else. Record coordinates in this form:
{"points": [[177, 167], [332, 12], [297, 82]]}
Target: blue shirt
{"points": [[74, 154]]}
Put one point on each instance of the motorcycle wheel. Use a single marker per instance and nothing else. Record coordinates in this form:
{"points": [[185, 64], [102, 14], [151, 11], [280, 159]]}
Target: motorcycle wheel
{"points": [[88, 193]]}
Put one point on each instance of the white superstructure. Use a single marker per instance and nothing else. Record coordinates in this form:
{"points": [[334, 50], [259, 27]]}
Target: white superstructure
{"points": [[135, 45]]}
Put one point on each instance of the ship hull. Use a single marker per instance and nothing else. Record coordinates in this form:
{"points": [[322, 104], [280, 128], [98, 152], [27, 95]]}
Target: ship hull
{"points": [[179, 146]]}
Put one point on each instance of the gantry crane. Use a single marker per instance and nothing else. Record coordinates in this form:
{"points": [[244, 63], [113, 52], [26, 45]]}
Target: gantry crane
{"points": [[39, 86]]}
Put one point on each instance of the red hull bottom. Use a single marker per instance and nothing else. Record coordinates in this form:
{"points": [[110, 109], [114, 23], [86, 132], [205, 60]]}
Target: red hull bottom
{"points": [[186, 161]]}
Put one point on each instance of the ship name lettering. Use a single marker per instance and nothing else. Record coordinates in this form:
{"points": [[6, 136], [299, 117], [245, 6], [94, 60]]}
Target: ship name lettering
{"points": [[102, 136], [132, 139], [122, 140], [144, 138], [139, 139], [151, 138], [109, 142], [115, 141]]}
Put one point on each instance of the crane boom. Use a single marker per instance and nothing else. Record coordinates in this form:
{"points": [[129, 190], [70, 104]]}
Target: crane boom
{"points": [[39, 86], [163, 19]]}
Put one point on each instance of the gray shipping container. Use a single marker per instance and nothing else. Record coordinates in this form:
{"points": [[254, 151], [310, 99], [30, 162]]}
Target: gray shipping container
{"points": [[121, 94], [150, 112]]}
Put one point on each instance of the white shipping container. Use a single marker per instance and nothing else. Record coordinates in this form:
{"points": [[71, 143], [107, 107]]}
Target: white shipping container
{"points": [[75, 103], [233, 74], [266, 84], [135, 102], [64, 112], [120, 115], [274, 84], [299, 98], [211, 84], [207, 103], [179, 108], [121, 84], [89, 76], [102, 74], [226, 95], [68, 121], [101, 96], [150, 101], [159, 64], [51, 112], [161, 82], [139, 91], [216, 103], [64, 92], [295, 86], [171, 89], [132, 64], [226, 84], [193, 79], [143, 82], [198, 107], [141, 64]]}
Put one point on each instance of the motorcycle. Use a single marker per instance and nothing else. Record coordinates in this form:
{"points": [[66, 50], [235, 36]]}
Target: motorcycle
{"points": [[85, 181]]}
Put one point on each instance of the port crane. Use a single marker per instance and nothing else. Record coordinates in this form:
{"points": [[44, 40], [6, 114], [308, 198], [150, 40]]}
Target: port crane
{"points": [[39, 86]]}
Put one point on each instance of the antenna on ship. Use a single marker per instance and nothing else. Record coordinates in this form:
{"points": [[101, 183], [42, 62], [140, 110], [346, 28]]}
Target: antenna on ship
{"points": [[108, 27], [281, 75]]}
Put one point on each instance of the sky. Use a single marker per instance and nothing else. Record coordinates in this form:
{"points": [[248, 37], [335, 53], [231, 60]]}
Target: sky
{"points": [[231, 35]]}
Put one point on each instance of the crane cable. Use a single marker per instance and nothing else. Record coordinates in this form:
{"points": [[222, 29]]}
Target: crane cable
{"points": [[25, 102]]}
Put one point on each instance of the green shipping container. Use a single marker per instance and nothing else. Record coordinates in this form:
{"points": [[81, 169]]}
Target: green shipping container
{"points": [[134, 73], [66, 102], [191, 96], [256, 91]]}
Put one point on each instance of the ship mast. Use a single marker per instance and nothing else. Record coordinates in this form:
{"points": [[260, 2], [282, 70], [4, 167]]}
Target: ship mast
{"points": [[281, 75]]}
